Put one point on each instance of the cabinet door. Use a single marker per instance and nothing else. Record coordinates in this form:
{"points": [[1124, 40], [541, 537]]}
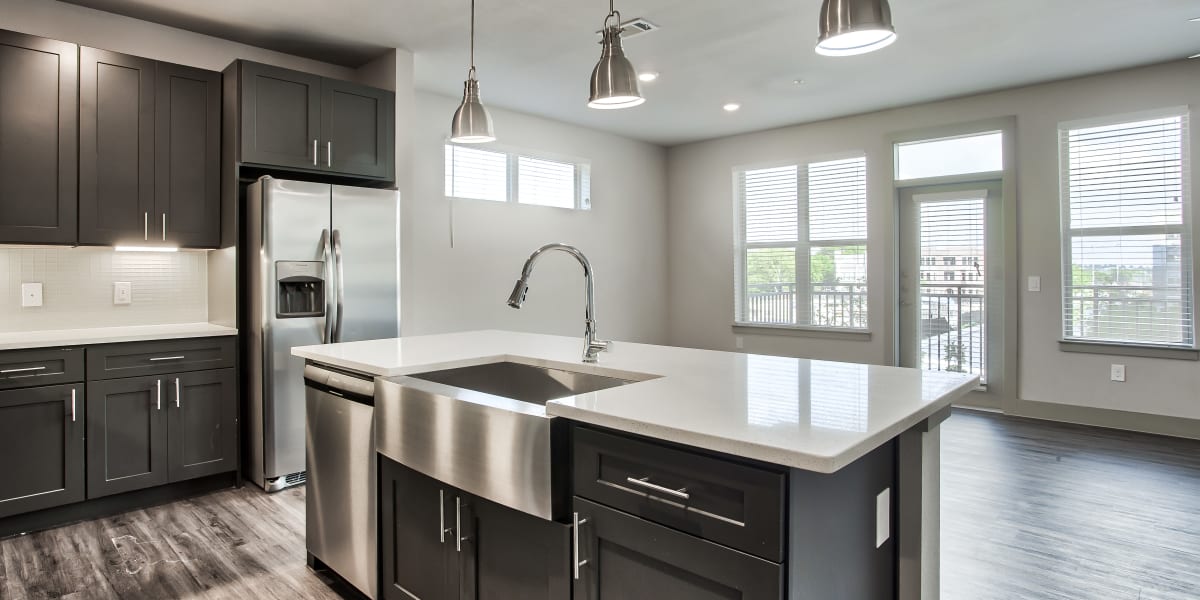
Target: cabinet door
{"points": [[418, 548], [629, 558], [187, 152], [38, 140], [357, 129], [514, 555], [281, 116], [41, 440], [116, 149], [201, 423], [126, 435]]}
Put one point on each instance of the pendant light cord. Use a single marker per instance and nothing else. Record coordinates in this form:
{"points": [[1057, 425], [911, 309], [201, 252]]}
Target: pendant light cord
{"points": [[471, 72], [612, 12]]}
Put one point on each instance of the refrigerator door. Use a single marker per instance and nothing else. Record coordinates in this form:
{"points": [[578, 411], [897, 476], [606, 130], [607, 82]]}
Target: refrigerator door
{"points": [[295, 231], [366, 250]]}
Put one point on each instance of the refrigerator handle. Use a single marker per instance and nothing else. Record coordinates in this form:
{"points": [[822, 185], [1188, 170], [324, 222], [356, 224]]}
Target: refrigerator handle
{"points": [[327, 255], [341, 290]]}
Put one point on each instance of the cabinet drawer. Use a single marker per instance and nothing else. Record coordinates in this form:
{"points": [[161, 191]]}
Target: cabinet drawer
{"points": [[111, 361], [28, 368], [737, 505]]}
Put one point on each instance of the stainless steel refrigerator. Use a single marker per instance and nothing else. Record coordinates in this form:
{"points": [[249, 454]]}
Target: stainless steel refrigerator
{"points": [[323, 267]]}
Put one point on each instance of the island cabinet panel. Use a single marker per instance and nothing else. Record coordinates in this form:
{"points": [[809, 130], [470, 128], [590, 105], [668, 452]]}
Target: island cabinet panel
{"points": [[41, 440], [39, 147], [629, 558], [419, 555], [515, 555], [126, 435], [735, 504]]}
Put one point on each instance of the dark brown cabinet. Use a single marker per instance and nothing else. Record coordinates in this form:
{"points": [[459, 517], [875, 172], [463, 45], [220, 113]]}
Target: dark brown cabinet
{"points": [[38, 140], [41, 440], [305, 122], [126, 435], [201, 424], [149, 168], [441, 543]]}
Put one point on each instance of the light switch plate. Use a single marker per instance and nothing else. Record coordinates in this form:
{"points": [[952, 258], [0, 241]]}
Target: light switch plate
{"points": [[31, 295], [122, 292], [883, 517], [1117, 373], [1035, 283]]}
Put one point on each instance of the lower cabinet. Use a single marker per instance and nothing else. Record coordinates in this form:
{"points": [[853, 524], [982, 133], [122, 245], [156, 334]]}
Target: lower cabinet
{"points": [[41, 440], [148, 431], [628, 558], [440, 543]]}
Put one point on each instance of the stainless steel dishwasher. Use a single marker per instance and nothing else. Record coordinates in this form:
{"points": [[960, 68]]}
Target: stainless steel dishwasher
{"points": [[340, 452]]}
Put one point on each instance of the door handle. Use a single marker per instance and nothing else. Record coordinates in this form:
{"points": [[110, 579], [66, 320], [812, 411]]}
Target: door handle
{"points": [[177, 394], [158, 358], [164, 227], [72, 405], [458, 538], [575, 561], [146, 226], [158, 393], [330, 313], [329, 154], [23, 370], [314, 153], [442, 529], [644, 482], [341, 289]]}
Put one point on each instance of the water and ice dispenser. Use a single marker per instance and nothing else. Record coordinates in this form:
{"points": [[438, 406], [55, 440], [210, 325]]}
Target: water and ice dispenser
{"points": [[300, 289]]}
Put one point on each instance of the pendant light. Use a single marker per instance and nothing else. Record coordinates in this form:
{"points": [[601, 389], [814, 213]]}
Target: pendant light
{"points": [[472, 124], [850, 27], [614, 80]]}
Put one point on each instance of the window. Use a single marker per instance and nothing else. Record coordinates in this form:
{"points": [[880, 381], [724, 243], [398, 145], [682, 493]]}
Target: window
{"points": [[1127, 240], [975, 153], [501, 176], [802, 239]]}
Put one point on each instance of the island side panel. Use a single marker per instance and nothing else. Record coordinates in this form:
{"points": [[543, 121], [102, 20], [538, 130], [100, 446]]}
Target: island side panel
{"points": [[832, 529], [918, 509]]}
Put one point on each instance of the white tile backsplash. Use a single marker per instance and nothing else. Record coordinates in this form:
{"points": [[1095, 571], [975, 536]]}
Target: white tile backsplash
{"points": [[77, 288]]}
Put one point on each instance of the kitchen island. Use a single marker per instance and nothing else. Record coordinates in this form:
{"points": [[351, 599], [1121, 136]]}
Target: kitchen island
{"points": [[695, 474]]}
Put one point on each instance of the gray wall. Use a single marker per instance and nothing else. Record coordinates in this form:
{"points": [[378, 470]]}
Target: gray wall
{"points": [[701, 223], [464, 287]]}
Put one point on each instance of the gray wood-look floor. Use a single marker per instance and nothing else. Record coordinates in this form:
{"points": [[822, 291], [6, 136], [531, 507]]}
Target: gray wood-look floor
{"points": [[1031, 511]]}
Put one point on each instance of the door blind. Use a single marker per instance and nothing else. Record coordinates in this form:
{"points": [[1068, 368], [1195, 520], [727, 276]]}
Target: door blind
{"points": [[1127, 239]]}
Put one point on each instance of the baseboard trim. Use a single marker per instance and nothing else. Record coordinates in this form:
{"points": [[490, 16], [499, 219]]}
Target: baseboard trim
{"points": [[1107, 418], [108, 506]]}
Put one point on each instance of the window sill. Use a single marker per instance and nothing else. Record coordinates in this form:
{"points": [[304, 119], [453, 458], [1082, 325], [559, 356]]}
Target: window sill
{"points": [[857, 335], [1144, 351]]}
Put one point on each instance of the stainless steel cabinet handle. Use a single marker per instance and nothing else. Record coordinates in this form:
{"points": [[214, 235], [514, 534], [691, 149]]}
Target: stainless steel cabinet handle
{"points": [[23, 370], [164, 227], [146, 226], [442, 531], [158, 358], [314, 153], [329, 154], [177, 392], [680, 493], [458, 524], [72, 405], [158, 393], [575, 561]]}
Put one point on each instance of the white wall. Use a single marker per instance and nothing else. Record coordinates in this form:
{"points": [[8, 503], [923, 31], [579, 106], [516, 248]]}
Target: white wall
{"points": [[465, 287], [702, 251], [77, 287]]}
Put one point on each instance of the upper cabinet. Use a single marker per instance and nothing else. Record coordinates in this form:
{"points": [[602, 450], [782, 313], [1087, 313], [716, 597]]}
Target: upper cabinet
{"points": [[300, 121], [149, 169], [38, 140]]}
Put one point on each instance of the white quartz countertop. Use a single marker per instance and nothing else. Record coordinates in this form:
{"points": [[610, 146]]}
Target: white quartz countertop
{"points": [[808, 414], [107, 335]]}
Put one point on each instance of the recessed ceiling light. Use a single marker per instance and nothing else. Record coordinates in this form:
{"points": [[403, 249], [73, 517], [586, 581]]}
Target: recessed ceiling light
{"points": [[798, 82], [1194, 20], [647, 76], [731, 107]]}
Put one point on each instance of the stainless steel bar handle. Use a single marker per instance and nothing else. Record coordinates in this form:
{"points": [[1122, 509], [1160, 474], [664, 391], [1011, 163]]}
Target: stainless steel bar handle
{"points": [[176, 392], [329, 154], [164, 227], [680, 493], [146, 226], [458, 524], [72, 405], [327, 251], [314, 153], [158, 358], [23, 370], [442, 531], [575, 562], [341, 289], [158, 393]]}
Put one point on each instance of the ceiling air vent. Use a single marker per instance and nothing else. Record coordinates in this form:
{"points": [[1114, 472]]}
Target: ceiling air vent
{"points": [[634, 27]]}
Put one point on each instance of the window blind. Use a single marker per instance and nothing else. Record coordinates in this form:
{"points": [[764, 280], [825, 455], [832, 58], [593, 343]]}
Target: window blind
{"points": [[802, 240], [476, 174], [545, 182], [1127, 240], [509, 176]]}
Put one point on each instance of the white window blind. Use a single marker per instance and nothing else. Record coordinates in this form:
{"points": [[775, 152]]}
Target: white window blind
{"points": [[476, 174], [1127, 239], [803, 243], [509, 176], [545, 182]]}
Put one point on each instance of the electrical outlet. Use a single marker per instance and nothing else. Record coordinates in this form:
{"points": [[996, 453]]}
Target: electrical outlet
{"points": [[31, 295], [1035, 283], [122, 292], [1118, 373], [738, 342]]}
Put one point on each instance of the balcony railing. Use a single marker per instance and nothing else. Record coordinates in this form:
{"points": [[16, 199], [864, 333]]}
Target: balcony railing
{"points": [[954, 328], [1152, 315], [831, 305]]}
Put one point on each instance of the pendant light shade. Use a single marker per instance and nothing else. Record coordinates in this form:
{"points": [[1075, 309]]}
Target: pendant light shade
{"points": [[471, 124], [851, 27], [614, 80]]}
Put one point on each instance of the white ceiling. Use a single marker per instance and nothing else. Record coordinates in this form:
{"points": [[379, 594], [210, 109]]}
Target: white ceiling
{"points": [[535, 56]]}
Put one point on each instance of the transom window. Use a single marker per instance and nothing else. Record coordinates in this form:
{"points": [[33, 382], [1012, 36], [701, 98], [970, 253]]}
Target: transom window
{"points": [[1127, 239], [510, 176], [802, 240]]}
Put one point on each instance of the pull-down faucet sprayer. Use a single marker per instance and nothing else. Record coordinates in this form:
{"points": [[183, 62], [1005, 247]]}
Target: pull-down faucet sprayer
{"points": [[593, 346]]}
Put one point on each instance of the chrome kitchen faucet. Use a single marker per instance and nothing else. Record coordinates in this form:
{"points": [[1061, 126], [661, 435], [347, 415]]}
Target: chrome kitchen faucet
{"points": [[593, 346]]}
